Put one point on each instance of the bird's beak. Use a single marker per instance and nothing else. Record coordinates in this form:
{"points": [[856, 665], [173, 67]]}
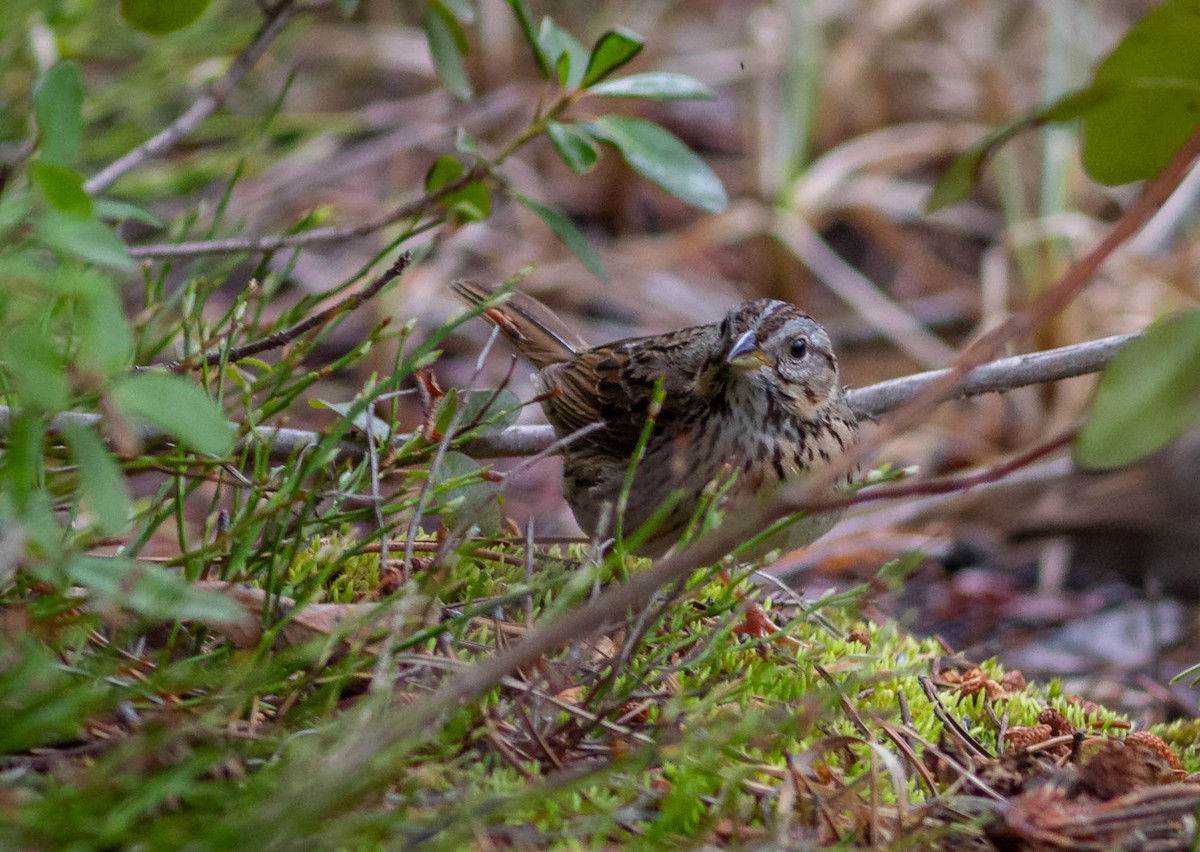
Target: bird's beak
{"points": [[745, 354]]}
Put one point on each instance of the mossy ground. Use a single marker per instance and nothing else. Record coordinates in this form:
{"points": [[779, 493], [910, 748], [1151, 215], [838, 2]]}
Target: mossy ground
{"points": [[723, 711]]}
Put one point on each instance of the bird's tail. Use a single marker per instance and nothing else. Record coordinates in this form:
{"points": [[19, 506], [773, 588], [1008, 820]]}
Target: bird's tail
{"points": [[537, 332]]}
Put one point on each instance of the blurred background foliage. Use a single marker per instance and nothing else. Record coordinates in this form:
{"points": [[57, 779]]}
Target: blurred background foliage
{"points": [[829, 124]]}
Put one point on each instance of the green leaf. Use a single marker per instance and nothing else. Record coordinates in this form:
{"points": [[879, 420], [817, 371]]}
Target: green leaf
{"points": [[58, 105], [658, 155], [105, 341], [563, 52], [62, 187], [86, 239], [177, 407], [444, 170], [658, 86], [113, 210], [150, 590], [465, 143], [1142, 104], [23, 463], [574, 146], [1134, 134], [364, 420], [101, 485], [37, 367], [447, 44], [612, 50], [44, 703], [158, 17], [565, 230], [471, 203], [442, 7], [489, 409], [464, 499], [464, 10], [521, 11], [1147, 396], [967, 169], [14, 211]]}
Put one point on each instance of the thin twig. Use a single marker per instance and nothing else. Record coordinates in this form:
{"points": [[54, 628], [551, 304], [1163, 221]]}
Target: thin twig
{"points": [[210, 100], [287, 335], [949, 723], [948, 484]]}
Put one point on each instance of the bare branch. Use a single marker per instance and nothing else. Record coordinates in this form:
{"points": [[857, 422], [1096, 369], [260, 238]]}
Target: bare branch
{"points": [[209, 101], [1001, 375], [287, 335], [869, 402], [948, 484]]}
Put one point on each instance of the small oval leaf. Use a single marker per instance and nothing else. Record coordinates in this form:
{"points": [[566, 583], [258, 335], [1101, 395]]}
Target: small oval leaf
{"points": [[658, 155], [472, 203], [562, 52], [105, 342], [565, 230], [659, 86], [112, 210], [101, 485], [1134, 135], [485, 410], [447, 44], [462, 496], [1147, 396], [364, 420], [177, 407], [87, 239], [58, 106], [612, 50], [62, 187], [35, 366], [444, 170], [156, 17], [574, 146]]}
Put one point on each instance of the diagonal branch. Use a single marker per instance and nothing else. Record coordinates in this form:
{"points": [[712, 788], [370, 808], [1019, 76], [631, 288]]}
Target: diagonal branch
{"points": [[287, 335]]}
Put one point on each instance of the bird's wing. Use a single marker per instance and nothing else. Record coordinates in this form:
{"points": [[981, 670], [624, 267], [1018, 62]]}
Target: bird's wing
{"points": [[537, 332], [614, 384]]}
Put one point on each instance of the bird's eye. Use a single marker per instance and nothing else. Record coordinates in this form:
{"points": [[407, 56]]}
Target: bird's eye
{"points": [[799, 348]]}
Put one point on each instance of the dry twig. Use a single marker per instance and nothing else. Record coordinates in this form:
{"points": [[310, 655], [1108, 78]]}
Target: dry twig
{"points": [[287, 335]]}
